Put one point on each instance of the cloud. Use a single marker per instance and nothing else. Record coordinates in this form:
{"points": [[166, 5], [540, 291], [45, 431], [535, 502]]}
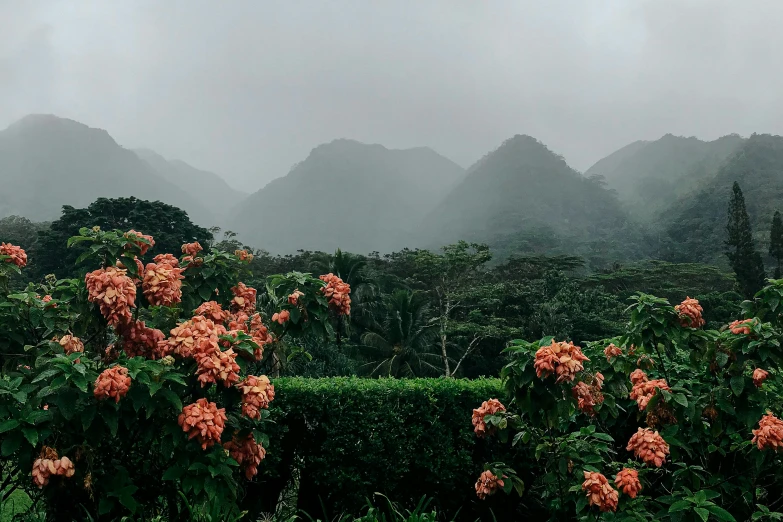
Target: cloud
{"points": [[246, 89]]}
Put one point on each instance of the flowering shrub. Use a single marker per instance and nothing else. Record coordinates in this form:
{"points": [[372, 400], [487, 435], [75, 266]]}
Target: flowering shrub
{"points": [[143, 378], [678, 415]]}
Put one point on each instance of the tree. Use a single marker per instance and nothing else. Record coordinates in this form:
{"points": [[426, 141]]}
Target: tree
{"points": [[740, 249], [776, 241], [169, 225], [399, 344]]}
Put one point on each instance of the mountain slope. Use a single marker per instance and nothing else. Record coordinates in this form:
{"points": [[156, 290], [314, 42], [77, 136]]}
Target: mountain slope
{"points": [[523, 198], [694, 227], [47, 162], [209, 189], [349, 195], [648, 176]]}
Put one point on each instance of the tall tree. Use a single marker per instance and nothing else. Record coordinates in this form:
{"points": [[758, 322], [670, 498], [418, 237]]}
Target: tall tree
{"points": [[740, 248], [776, 241]]}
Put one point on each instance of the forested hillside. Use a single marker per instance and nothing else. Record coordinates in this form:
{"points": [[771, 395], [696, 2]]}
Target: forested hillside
{"points": [[350, 195], [648, 176], [693, 229], [47, 162], [209, 189], [523, 197]]}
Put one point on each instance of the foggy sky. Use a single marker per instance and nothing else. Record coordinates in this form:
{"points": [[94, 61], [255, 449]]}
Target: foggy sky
{"points": [[247, 88]]}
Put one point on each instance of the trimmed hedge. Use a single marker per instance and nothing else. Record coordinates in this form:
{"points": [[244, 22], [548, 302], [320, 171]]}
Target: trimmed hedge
{"points": [[347, 438]]}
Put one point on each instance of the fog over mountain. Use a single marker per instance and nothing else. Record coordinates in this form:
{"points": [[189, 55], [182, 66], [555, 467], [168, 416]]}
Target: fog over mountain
{"points": [[247, 89]]}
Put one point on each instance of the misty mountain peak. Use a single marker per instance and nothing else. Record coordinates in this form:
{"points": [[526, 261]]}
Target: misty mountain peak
{"points": [[51, 125]]}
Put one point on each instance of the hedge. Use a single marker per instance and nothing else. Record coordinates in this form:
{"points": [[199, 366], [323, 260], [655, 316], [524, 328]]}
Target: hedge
{"points": [[340, 440]]}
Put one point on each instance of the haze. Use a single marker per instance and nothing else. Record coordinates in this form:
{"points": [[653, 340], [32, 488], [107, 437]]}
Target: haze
{"points": [[246, 89]]}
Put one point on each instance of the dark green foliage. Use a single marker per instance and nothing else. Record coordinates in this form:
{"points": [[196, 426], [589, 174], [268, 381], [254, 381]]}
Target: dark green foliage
{"points": [[348, 438], [776, 241], [740, 248], [170, 227]]}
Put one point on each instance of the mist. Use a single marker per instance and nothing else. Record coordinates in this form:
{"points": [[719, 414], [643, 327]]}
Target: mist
{"points": [[247, 89]]}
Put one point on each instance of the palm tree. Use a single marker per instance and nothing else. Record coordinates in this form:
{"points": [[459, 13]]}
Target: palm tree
{"points": [[398, 346]]}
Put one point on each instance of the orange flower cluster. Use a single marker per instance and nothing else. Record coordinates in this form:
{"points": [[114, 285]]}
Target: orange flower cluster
{"points": [[769, 435], [141, 341], [243, 255], [112, 383], [114, 292], [588, 396], [48, 464], [199, 335], [162, 283], [741, 327], [17, 255], [612, 351], [490, 407], [294, 297], [47, 299], [71, 344], [143, 246], [690, 313], [599, 492], [217, 366], [213, 311], [191, 249], [281, 317], [759, 376], [203, 421], [563, 359], [244, 299], [257, 393], [628, 482], [260, 334], [488, 484], [247, 453], [337, 292], [649, 446], [644, 389]]}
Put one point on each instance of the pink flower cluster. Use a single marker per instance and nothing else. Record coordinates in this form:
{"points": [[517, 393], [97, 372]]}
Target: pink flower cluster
{"points": [[338, 293], [628, 482], [17, 255], [162, 282], [293, 299], [769, 434], [759, 376], [244, 299], [141, 341], [204, 421], [71, 344], [741, 327], [649, 446], [588, 396], [112, 383], [48, 464], [257, 393], [612, 351], [247, 453], [281, 317], [133, 237], [490, 407], [560, 358], [114, 292], [217, 366], [488, 484], [689, 312], [599, 492], [213, 311], [644, 389]]}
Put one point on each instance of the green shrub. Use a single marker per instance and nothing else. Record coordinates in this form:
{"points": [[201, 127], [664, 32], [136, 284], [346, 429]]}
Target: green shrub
{"points": [[343, 439]]}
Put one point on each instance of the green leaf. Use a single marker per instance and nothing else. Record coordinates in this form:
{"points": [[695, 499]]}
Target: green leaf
{"points": [[31, 434], [703, 513], [737, 384], [172, 398], [603, 436], [721, 514], [11, 444], [51, 372], [680, 505], [111, 418], [205, 292], [680, 399], [105, 506], [8, 425], [173, 473]]}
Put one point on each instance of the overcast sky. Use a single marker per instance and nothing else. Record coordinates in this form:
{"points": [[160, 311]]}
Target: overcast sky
{"points": [[247, 88]]}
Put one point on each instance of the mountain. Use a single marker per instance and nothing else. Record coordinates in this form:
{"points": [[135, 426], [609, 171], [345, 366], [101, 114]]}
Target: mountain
{"points": [[350, 195], [209, 189], [47, 162], [523, 198], [694, 227], [649, 175]]}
